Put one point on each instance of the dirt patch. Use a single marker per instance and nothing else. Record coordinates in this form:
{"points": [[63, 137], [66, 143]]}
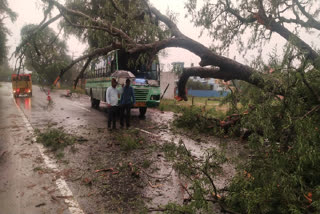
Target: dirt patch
{"points": [[2, 155], [126, 171], [109, 167], [173, 189]]}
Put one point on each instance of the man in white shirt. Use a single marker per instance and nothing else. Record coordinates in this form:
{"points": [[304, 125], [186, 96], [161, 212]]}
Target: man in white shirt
{"points": [[112, 97]]}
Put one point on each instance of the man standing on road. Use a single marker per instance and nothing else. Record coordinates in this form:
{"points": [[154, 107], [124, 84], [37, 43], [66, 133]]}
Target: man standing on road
{"points": [[126, 102], [112, 96]]}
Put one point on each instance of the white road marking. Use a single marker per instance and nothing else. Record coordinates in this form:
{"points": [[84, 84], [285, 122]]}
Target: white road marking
{"points": [[77, 105], [73, 205]]}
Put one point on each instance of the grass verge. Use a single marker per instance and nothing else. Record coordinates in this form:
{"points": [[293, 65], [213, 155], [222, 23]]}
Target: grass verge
{"points": [[206, 104]]}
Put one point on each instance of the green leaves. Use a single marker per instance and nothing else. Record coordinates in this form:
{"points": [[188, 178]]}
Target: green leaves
{"points": [[200, 173], [284, 143], [5, 12], [131, 17], [55, 139], [44, 53]]}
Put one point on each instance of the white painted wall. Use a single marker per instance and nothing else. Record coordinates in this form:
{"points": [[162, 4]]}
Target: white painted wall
{"points": [[165, 79]]}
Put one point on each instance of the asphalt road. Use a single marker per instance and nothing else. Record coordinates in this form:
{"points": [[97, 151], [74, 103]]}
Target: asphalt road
{"points": [[29, 181], [30, 178]]}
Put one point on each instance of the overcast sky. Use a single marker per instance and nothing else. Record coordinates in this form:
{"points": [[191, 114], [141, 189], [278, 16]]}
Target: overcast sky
{"points": [[30, 12]]}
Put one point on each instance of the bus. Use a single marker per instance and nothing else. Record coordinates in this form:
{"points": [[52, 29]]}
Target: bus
{"points": [[21, 84], [146, 80]]}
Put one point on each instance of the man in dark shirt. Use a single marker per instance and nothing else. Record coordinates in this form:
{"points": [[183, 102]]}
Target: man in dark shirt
{"points": [[126, 102]]}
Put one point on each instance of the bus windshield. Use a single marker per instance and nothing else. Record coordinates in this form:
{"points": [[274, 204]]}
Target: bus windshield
{"points": [[106, 65], [143, 73]]}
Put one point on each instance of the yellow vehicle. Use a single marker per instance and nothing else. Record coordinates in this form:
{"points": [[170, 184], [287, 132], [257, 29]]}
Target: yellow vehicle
{"points": [[21, 84]]}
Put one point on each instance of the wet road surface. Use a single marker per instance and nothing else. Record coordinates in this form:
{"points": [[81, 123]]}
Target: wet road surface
{"points": [[30, 178], [24, 188]]}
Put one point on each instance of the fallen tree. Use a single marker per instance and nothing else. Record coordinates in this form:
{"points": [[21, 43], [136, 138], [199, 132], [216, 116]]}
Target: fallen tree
{"points": [[118, 37], [284, 124]]}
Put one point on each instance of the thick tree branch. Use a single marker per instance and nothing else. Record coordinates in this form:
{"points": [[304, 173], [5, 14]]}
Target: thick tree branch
{"points": [[55, 38], [100, 22], [229, 69], [82, 72], [301, 70], [274, 26], [307, 24], [46, 13], [311, 21], [115, 6], [173, 27], [88, 26], [246, 74], [295, 40], [248, 19], [96, 52]]}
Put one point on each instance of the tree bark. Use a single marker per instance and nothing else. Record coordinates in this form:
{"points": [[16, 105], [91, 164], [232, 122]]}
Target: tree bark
{"points": [[246, 74], [82, 72], [96, 52]]}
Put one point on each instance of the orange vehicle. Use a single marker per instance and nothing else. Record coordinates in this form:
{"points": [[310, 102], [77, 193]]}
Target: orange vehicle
{"points": [[21, 84]]}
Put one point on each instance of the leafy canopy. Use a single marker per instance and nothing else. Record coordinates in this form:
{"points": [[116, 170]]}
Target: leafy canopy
{"points": [[250, 24], [5, 12], [45, 53]]}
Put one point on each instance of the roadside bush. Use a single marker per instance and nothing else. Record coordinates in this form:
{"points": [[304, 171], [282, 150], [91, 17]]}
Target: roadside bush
{"points": [[197, 120], [169, 105], [55, 139], [285, 167], [282, 175], [203, 195]]}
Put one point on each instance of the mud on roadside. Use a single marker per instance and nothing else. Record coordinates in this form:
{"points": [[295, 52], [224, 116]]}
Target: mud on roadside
{"points": [[126, 171], [105, 170]]}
